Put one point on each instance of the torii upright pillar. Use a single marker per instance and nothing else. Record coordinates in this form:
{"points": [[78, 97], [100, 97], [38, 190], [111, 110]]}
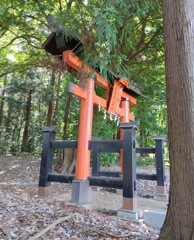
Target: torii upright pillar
{"points": [[80, 186], [125, 118]]}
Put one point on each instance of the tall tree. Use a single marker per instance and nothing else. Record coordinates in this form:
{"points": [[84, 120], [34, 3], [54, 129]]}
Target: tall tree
{"points": [[124, 36], [179, 54], [2, 103], [56, 107], [50, 100], [25, 140]]}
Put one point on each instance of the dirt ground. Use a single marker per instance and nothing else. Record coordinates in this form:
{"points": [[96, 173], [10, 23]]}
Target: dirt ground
{"points": [[24, 215]]}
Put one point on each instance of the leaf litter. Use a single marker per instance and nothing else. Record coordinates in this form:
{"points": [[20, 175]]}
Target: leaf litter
{"points": [[24, 216]]}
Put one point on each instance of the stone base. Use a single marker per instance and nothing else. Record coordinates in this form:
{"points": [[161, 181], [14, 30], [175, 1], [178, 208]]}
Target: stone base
{"points": [[161, 197], [44, 191], [131, 215], [154, 219], [81, 191]]}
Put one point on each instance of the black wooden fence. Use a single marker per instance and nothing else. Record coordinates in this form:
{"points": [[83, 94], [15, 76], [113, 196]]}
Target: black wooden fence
{"points": [[112, 179]]}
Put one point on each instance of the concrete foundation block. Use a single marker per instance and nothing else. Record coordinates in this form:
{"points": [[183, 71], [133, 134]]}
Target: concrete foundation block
{"points": [[154, 219], [81, 191], [128, 214], [161, 197]]}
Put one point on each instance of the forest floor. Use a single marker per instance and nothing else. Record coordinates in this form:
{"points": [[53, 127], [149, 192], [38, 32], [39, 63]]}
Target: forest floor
{"points": [[25, 216]]}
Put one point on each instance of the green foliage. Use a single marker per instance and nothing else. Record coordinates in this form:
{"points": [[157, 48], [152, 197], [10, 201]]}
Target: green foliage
{"points": [[145, 161], [124, 37], [109, 159]]}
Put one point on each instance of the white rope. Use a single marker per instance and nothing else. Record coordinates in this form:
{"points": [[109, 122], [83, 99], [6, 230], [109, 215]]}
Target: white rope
{"points": [[111, 116], [99, 107]]}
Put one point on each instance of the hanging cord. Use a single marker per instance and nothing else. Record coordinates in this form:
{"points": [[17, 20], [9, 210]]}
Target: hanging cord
{"points": [[108, 115]]}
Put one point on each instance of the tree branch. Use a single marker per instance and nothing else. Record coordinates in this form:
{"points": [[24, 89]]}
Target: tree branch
{"points": [[21, 37], [29, 43], [142, 37], [130, 57], [3, 32], [60, 5], [8, 44], [35, 18]]}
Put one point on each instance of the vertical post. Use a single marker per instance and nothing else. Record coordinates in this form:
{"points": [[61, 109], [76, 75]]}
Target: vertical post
{"points": [[125, 118], [46, 160], [160, 170], [80, 186], [129, 209], [95, 160]]}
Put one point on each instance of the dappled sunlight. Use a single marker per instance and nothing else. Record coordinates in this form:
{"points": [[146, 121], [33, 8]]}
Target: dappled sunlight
{"points": [[14, 166]]}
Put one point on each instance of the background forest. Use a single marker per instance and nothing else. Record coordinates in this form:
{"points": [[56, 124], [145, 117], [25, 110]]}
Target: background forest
{"points": [[124, 36]]}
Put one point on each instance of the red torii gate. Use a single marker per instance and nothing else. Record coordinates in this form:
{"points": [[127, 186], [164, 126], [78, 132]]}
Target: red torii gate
{"points": [[116, 103]]}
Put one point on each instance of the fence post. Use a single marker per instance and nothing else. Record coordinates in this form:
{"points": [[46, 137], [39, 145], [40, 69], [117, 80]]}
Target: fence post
{"points": [[95, 160], [160, 170], [129, 209], [46, 160]]}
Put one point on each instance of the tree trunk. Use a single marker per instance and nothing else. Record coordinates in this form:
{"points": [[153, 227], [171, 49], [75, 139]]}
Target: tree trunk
{"points": [[56, 109], [65, 163], [2, 106], [50, 101], [25, 141], [179, 61], [66, 117], [7, 123]]}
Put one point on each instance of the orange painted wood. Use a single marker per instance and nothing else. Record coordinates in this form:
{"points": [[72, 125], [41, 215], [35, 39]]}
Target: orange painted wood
{"points": [[85, 133], [124, 82], [125, 118], [133, 100], [98, 100], [81, 93], [115, 98], [76, 90], [73, 61]]}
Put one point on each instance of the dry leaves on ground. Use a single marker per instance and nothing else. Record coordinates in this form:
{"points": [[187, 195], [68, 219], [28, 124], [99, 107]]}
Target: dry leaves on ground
{"points": [[24, 216], [27, 218]]}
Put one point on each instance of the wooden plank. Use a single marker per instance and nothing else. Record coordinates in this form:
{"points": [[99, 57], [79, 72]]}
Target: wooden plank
{"points": [[145, 150], [76, 90], [74, 62], [55, 177], [115, 98], [63, 144], [106, 182]]}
